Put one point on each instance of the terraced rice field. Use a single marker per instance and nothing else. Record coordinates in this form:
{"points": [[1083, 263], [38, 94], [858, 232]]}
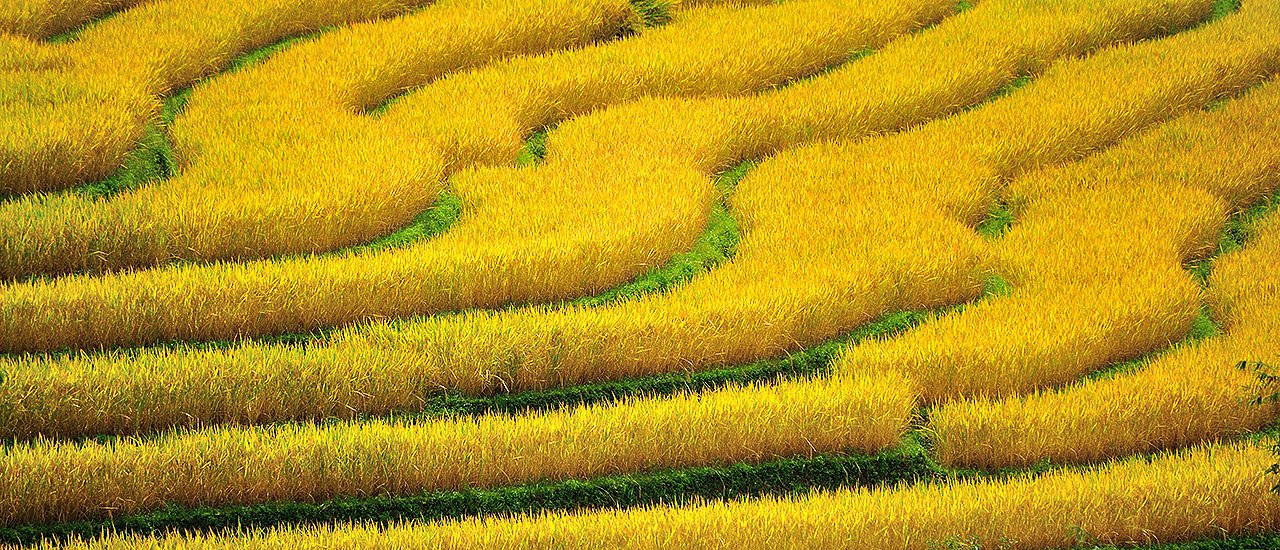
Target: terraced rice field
{"points": [[927, 274]]}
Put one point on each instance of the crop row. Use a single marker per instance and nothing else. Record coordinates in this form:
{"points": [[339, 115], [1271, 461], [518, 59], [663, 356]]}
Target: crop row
{"points": [[49, 481], [1201, 493]]}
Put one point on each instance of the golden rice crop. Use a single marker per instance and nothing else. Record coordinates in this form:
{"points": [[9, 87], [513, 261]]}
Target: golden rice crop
{"points": [[527, 349], [1098, 280], [1036, 339], [277, 158], [1118, 160], [315, 95], [1193, 393], [869, 249], [45, 481], [45, 18], [1087, 293], [1190, 395], [57, 126], [1208, 492], [529, 235], [20, 53]]}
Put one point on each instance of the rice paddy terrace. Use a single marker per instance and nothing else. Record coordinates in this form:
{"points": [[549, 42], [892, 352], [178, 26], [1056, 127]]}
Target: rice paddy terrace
{"points": [[924, 274]]}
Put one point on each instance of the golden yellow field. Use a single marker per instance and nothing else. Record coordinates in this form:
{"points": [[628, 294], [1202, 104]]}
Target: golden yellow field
{"points": [[926, 274]]}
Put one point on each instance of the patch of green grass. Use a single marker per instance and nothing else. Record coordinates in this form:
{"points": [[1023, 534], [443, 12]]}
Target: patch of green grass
{"points": [[431, 222], [1244, 542], [1223, 8], [1238, 231], [1204, 326], [998, 221], [995, 286], [535, 148], [152, 160], [655, 13]]}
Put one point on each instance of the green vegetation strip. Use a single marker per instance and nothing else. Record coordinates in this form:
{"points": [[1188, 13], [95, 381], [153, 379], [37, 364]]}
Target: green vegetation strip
{"points": [[1084, 541], [673, 486], [437, 219], [655, 13], [1253, 542], [998, 221], [1223, 8]]}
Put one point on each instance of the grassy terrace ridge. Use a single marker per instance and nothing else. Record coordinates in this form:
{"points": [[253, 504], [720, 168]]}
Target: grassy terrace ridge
{"points": [[1248, 542], [1085, 542], [790, 476]]}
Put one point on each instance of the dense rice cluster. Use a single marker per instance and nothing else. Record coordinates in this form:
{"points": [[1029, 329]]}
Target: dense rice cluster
{"points": [[910, 273]]}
